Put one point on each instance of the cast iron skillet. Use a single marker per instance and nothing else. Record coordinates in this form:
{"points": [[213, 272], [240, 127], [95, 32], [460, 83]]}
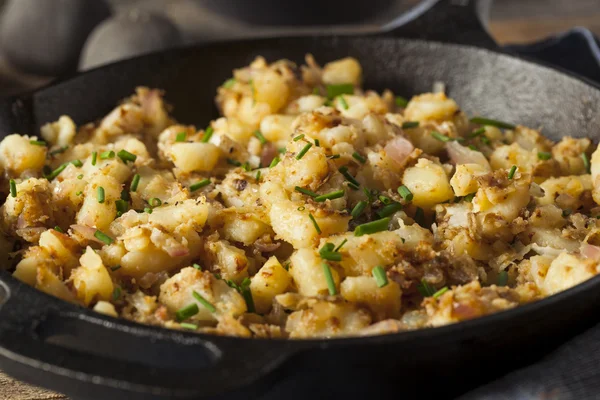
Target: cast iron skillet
{"points": [[73, 350]]}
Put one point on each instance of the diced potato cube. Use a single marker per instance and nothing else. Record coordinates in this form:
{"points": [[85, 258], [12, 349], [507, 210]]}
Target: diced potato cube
{"points": [[307, 271], [346, 70], [18, 155], [463, 181], [567, 271], [272, 279], [92, 280], [428, 183], [430, 106], [384, 302], [190, 157], [325, 319]]}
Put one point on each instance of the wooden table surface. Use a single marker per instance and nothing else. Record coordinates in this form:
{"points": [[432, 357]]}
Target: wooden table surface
{"points": [[511, 21]]}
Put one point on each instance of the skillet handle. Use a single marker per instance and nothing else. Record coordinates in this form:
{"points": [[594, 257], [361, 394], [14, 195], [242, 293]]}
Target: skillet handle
{"points": [[449, 21], [63, 347]]}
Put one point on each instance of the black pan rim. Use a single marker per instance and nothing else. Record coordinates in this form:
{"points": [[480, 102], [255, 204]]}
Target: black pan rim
{"points": [[320, 343]]}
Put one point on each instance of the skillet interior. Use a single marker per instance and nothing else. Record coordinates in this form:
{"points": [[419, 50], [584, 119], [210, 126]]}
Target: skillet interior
{"points": [[483, 82]]}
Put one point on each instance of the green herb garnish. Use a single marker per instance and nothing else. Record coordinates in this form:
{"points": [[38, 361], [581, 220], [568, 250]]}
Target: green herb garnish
{"points": [[343, 102], [512, 171], [189, 326], [401, 101], [389, 209], [203, 301], [334, 91], [330, 196], [405, 193], [94, 156], [155, 202], [187, 312], [228, 84], [440, 137], [59, 150], [440, 292], [502, 278], [58, 229], [126, 156], [477, 132], [57, 171], [340, 245], [181, 137], [135, 182], [492, 122], [305, 191], [100, 194], [344, 171], [359, 158], [329, 279], [544, 155], [274, 162], [425, 288], [380, 276], [208, 132], [13, 188], [586, 162], [77, 163], [410, 124], [299, 137], [107, 154], [327, 252], [358, 209], [199, 184], [37, 142], [103, 237], [314, 222], [261, 138], [372, 227], [303, 151]]}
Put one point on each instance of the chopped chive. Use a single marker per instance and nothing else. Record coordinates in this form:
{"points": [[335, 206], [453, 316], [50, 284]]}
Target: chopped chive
{"points": [[100, 194], [410, 124], [330, 196], [282, 150], [59, 150], [586, 162], [384, 199], [420, 216], [544, 155], [303, 151], [77, 163], [317, 143], [258, 176], [440, 137], [340, 245], [485, 140], [425, 288], [187, 312], [155, 202], [440, 292], [208, 132], [401, 101], [57, 171], [13, 188], [107, 154], [228, 84], [286, 266], [299, 137], [181, 137], [103, 237], [305, 191], [353, 186], [326, 252], [189, 326], [512, 171], [58, 229], [94, 156], [203, 301], [135, 182], [369, 194], [567, 212], [122, 207], [492, 122], [380, 276], [337, 90], [502, 278], [472, 147], [358, 209], [389, 209], [477, 132], [231, 161], [314, 222], [116, 293], [260, 137], [469, 198], [344, 171], [79, 193], [126, 156], [197, 266], [274, 162], [37, 142], [315, 90], [115, 268], [333, 156], [405, 193], [358, 157], [343, 102], [199, 184], [148, 210], [301, 208], [46, 170], [246, 166], [372, 227], [125, 195], [329, 279]]}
